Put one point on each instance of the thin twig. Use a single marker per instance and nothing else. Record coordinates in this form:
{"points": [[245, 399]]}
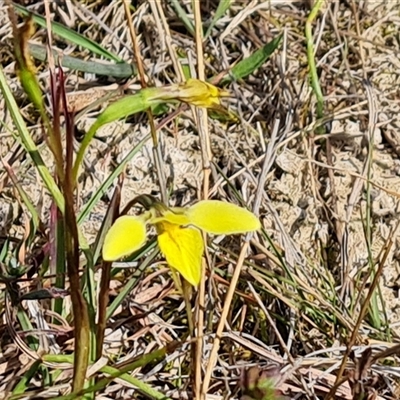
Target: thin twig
{"points": [[156, 148], [202, 123], [227, 305], [295, 364]]}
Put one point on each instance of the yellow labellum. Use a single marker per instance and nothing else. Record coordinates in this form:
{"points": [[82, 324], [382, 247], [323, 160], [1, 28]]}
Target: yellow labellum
{"points": [[219, 218], [126, 235], [183, 249]]}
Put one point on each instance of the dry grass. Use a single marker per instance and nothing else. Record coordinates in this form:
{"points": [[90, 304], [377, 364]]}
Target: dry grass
{"points": [[328, 202]]}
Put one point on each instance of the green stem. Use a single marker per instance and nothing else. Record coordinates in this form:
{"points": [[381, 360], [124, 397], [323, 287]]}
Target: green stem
{"points": [[79, 304]]}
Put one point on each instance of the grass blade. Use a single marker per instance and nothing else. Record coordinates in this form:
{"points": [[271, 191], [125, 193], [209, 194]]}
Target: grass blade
{"points": [[108, 182], [120, 70], [28, 143], [134, 279], [181, 13], [69, 34], [23, 384], [114, 373], [251, 63], [223, 6], [311, 61]]}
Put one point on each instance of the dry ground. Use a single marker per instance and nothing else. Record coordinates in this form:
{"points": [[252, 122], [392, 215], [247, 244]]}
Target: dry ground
{"points": [[316, 204]]}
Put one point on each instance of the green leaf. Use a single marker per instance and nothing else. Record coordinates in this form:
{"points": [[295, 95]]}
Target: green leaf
{"points": [[159, 109], [120, 70], [223, 6], [251, 63], [69, 34], [25, 68], [26, 326], [23, 384], [183, 58], [31, 86]]}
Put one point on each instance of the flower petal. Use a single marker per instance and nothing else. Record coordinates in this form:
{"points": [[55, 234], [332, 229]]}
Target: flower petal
{"points": [[183, 249], [126, 235], [200, 93], [218, 217]]}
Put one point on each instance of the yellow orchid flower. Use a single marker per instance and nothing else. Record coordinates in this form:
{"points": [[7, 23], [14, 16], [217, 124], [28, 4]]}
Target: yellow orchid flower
{"points": [[178, 232], [193, 91], [200, 93]]}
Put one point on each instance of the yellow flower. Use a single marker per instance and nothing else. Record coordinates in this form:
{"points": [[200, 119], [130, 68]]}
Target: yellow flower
{"points": [[178, 232], [193, 91], [200, 93]]}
